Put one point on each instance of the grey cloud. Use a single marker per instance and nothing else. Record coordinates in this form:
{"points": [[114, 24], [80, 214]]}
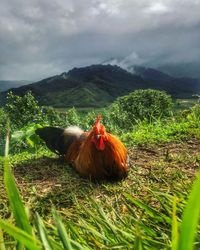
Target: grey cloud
{"points": [[42, 38]]}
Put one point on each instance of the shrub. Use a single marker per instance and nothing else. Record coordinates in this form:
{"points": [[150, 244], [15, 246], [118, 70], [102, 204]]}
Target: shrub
{"points": [[195, 113], [22, 110], [73, 117], [51, 116], [2, 130], [141, 105], [63, 119], [120, 117], [88, 120]]}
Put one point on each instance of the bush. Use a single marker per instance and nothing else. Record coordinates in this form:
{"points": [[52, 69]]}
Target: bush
{"points": [[22, 110], [89, 119], [141, 105], [120, 117], [56, 118], [52, 117], [73, 117], [2, 130], [195, 113]]}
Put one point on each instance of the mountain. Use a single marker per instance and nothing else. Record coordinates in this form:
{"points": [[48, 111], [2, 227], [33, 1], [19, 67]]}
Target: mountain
{"points": [[99, 85], [5, 85], [92, 86], [176, 69], [182, 87], [189, 69]]}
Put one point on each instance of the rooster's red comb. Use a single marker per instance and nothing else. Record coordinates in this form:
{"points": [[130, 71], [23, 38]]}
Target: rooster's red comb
{"points": [[97, 123]]}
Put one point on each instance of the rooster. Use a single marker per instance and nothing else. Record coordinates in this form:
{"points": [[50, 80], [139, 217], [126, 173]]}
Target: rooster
{"points": [[95, 154]]}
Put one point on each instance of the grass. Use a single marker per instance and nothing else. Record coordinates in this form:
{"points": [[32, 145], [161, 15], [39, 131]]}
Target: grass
{"points": [[137, 212], [181, 104], [162, 131], [148, 210], [187, 237]]}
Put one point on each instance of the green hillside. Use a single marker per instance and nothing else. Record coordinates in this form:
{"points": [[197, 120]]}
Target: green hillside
{"points": [[83, 95]]}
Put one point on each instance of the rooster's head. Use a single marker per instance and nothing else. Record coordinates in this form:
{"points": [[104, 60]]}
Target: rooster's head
{"points": [[99, 135]]}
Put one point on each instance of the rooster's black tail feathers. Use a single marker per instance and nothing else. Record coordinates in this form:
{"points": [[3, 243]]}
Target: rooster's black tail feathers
{"points": [[58, 140]]}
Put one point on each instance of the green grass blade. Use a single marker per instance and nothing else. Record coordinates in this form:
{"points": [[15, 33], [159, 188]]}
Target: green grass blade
{"points": [[62, 232], [7, 143], [138, 243], [20, 235], [14, 196], [19, 246], [149, 210], [15, 200], [2, 245], [174, 227], [43, 234], [190, 218], [76, 235]]}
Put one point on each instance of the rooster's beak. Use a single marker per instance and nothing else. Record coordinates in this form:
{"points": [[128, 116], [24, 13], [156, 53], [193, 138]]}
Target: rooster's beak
{"points": [[98, 136]]}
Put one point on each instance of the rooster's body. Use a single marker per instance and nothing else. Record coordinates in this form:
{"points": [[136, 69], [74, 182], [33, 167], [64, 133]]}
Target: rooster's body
{"points": [[95, 154]]}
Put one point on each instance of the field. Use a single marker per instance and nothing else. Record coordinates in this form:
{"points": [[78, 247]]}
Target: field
{"points": [[144, 211], [181, 104]]}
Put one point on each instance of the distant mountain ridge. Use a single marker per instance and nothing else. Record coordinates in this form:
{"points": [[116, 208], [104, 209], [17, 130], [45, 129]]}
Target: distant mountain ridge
{"points": [[7, 84], [175, 69], [182, 87], [189, 69], [99, 85]]}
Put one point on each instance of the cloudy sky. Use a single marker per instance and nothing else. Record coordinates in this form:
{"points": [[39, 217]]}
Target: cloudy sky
{"points": [[40, 38]]}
